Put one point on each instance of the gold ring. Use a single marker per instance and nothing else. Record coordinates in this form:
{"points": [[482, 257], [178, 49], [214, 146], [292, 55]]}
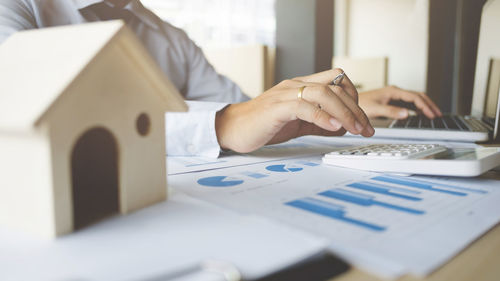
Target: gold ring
{"points": [[301, 90]]}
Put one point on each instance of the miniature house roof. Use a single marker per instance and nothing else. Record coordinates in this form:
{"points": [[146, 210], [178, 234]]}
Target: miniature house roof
{"points": [[38, 65]]}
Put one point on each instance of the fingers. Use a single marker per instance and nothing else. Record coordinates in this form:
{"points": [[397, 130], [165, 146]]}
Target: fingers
{"points": [[421, 101], [432, 105], [325, 77], [393, 112], [308, 129], [313, 114], [340, 105]]}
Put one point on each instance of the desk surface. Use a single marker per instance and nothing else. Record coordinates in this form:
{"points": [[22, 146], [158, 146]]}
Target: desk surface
{"points": [[479, 261]]}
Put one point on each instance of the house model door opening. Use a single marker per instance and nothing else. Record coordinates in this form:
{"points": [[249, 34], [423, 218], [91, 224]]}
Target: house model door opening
{"points": [[94, 172]]}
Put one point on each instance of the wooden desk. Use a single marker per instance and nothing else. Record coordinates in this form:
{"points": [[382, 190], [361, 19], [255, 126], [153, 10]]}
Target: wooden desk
{"points": [[480, 261]]}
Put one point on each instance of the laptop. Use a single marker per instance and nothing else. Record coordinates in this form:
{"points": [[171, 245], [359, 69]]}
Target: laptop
{"points": [[450, 127]]}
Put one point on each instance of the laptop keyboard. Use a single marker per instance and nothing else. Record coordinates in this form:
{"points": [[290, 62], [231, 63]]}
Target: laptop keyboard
{"points": [[447, 122]]}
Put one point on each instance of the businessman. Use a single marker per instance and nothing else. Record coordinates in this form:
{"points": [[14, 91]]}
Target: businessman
{"points": [[221, 116]]}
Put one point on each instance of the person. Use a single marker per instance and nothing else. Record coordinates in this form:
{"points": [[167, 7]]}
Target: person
{"points": [[221, 116]]}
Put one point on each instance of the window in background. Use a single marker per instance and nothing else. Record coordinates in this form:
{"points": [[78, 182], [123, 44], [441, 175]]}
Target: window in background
{"points": [[220, 23]]}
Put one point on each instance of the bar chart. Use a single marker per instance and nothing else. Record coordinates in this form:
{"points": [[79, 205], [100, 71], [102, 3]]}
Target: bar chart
{"points": [[464, 189], [332, 211], [336, 206], [385, 190], [416, 184], [364, 200]]}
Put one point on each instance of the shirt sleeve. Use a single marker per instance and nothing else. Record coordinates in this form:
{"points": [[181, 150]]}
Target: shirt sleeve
{"points": [[193, 133], [204, 83], [15, 15]]}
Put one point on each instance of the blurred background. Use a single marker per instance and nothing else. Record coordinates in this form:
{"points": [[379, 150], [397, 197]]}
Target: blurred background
{"points": [[441, 47]]}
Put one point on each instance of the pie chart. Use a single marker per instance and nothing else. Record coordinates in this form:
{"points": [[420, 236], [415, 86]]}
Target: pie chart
{"points": [[281, 168], [219, 181]]}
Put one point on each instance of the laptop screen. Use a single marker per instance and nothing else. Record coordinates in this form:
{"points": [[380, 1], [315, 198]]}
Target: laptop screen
{"points": [[487, 76], [492, 101]]}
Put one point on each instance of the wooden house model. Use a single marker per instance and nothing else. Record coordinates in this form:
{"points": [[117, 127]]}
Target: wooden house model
{"points": [[82, 128]]}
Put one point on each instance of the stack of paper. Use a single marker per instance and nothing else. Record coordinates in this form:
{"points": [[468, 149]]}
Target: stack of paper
{"points": [[386, 224], [156, 243]]}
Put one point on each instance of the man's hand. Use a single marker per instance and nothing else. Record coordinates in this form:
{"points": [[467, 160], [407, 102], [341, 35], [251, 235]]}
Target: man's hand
{"points": [[279, 114], [376, 103]]}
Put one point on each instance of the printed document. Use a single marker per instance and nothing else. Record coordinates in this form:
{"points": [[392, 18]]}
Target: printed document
{"points": [[387, 224]]}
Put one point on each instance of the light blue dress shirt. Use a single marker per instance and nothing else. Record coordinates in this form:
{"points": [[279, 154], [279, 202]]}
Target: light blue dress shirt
{"points": [[178, 56]]}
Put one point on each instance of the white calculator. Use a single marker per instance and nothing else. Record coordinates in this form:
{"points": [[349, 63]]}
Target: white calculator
{"points": [[427, 159]]}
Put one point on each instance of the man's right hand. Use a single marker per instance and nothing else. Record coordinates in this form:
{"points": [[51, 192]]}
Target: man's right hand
{"points": [[279, 115]]}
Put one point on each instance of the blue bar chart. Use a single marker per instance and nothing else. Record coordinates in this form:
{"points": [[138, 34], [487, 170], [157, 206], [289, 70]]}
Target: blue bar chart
{"points": [[365, 200], [339, 200], [416, 184], [385, 190], [464, 189], [331, 210]]}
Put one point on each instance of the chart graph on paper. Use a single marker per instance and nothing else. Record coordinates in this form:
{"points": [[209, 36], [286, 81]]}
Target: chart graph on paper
{"points": [[376, 212], [372, 202]]}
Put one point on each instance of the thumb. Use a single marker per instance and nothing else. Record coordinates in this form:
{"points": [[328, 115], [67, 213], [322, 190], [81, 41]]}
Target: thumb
{"points": [[393, 112]]}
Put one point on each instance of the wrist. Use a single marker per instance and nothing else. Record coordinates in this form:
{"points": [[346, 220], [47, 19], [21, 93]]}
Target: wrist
{"points": [[221, 127], [230, 128]]}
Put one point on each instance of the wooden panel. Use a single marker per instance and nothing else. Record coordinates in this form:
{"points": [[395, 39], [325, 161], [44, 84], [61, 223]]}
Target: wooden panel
{"points": [[247, 66], [366, 73]]}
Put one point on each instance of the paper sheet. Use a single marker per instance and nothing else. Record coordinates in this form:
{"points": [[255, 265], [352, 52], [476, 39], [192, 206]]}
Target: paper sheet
{"points": [[383, 223], [154, 242], [184, 231], [295, 148], [309, 145]]}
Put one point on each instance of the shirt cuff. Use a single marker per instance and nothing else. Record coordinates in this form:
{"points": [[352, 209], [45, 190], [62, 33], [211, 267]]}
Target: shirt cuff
{"points": [[192, 133]]}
